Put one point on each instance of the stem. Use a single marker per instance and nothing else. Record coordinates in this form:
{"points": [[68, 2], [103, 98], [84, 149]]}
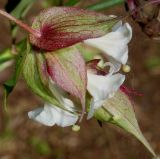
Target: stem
{"points": [[34, 32]]}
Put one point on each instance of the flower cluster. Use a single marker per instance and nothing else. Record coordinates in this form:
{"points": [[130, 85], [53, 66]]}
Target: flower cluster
{"points": [[98, 77]]}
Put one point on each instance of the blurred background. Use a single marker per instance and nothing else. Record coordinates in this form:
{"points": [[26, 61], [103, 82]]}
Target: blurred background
{"points": [[21, 138]]}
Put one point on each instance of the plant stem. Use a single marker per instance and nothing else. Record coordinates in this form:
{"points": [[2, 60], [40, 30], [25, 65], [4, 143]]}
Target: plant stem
{"points": [[34, 32]]}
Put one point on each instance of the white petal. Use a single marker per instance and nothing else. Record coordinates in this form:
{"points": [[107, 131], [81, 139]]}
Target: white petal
{"points": [[102, 87], [50, 115], [115, 43]]}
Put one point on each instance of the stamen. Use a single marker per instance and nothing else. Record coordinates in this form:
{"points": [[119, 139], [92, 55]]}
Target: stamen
{"points": [[126, 68], [76, 128]]}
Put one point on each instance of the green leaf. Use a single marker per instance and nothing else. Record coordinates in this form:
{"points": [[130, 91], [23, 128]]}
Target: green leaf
{"points": [[121, 110], [104, 4], [153, 62], [41, 146], [6, 58], [71, 2], [67, 69], [33, 80], [48, 3], [6, 55], [9, 85], [21, 8]]}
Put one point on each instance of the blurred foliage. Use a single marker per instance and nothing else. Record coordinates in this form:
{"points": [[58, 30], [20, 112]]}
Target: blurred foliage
{"points": [[41, 146], [48, 3], [153, 62], [72, 2], [104, 4]]}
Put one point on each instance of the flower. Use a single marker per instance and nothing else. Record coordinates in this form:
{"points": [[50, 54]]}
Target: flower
{"points": [[51, 114], [60, 63], [102, 87], [114, 46]]}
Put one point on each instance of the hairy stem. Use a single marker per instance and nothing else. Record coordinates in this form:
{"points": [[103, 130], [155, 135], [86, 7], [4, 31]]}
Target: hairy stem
{"points": [[34, 32]]}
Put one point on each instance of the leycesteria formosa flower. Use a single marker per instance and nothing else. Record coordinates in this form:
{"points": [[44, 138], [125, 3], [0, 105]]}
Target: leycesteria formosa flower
{"points": [[55, 67], [55, 58], [114, 46]]}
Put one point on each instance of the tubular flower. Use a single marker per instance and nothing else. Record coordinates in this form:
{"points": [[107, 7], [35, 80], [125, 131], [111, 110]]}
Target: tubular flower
{"points": [[50, 114], [114, 46]]}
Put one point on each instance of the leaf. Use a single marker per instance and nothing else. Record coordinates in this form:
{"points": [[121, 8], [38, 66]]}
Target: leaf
{"points": [[21, 8], [48, 3], [6, 55], [33, 80], [67, 69], [10, 5], [71, 2], [9, 85], [104, 4], [6, 58], [121, 110], [61, 27], [41, 146]]}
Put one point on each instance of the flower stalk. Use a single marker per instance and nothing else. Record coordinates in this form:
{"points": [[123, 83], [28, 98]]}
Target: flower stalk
{"points": [[34, 32]]}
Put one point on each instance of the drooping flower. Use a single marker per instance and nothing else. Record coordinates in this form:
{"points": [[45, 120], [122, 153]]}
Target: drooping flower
{"points": [[54, 59], [51, 114], [114, 46]]}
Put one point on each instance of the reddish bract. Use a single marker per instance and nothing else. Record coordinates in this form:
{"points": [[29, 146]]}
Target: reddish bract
{"points": [[64, 26]]}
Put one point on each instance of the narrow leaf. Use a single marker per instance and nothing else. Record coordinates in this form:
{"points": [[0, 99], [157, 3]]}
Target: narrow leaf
{"points": [[123, 116], [21, 8], [6, 58], [67, 69], [6, 55], [104, 4], [71, 2], [9, 85], [64, 26]]}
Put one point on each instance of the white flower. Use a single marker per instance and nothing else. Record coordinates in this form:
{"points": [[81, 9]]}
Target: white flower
{"points": [[114, 46], [101, 88], [51, 114]]}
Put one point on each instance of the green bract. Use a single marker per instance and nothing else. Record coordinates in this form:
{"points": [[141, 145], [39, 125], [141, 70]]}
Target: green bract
{"points": [[118, 110]]}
